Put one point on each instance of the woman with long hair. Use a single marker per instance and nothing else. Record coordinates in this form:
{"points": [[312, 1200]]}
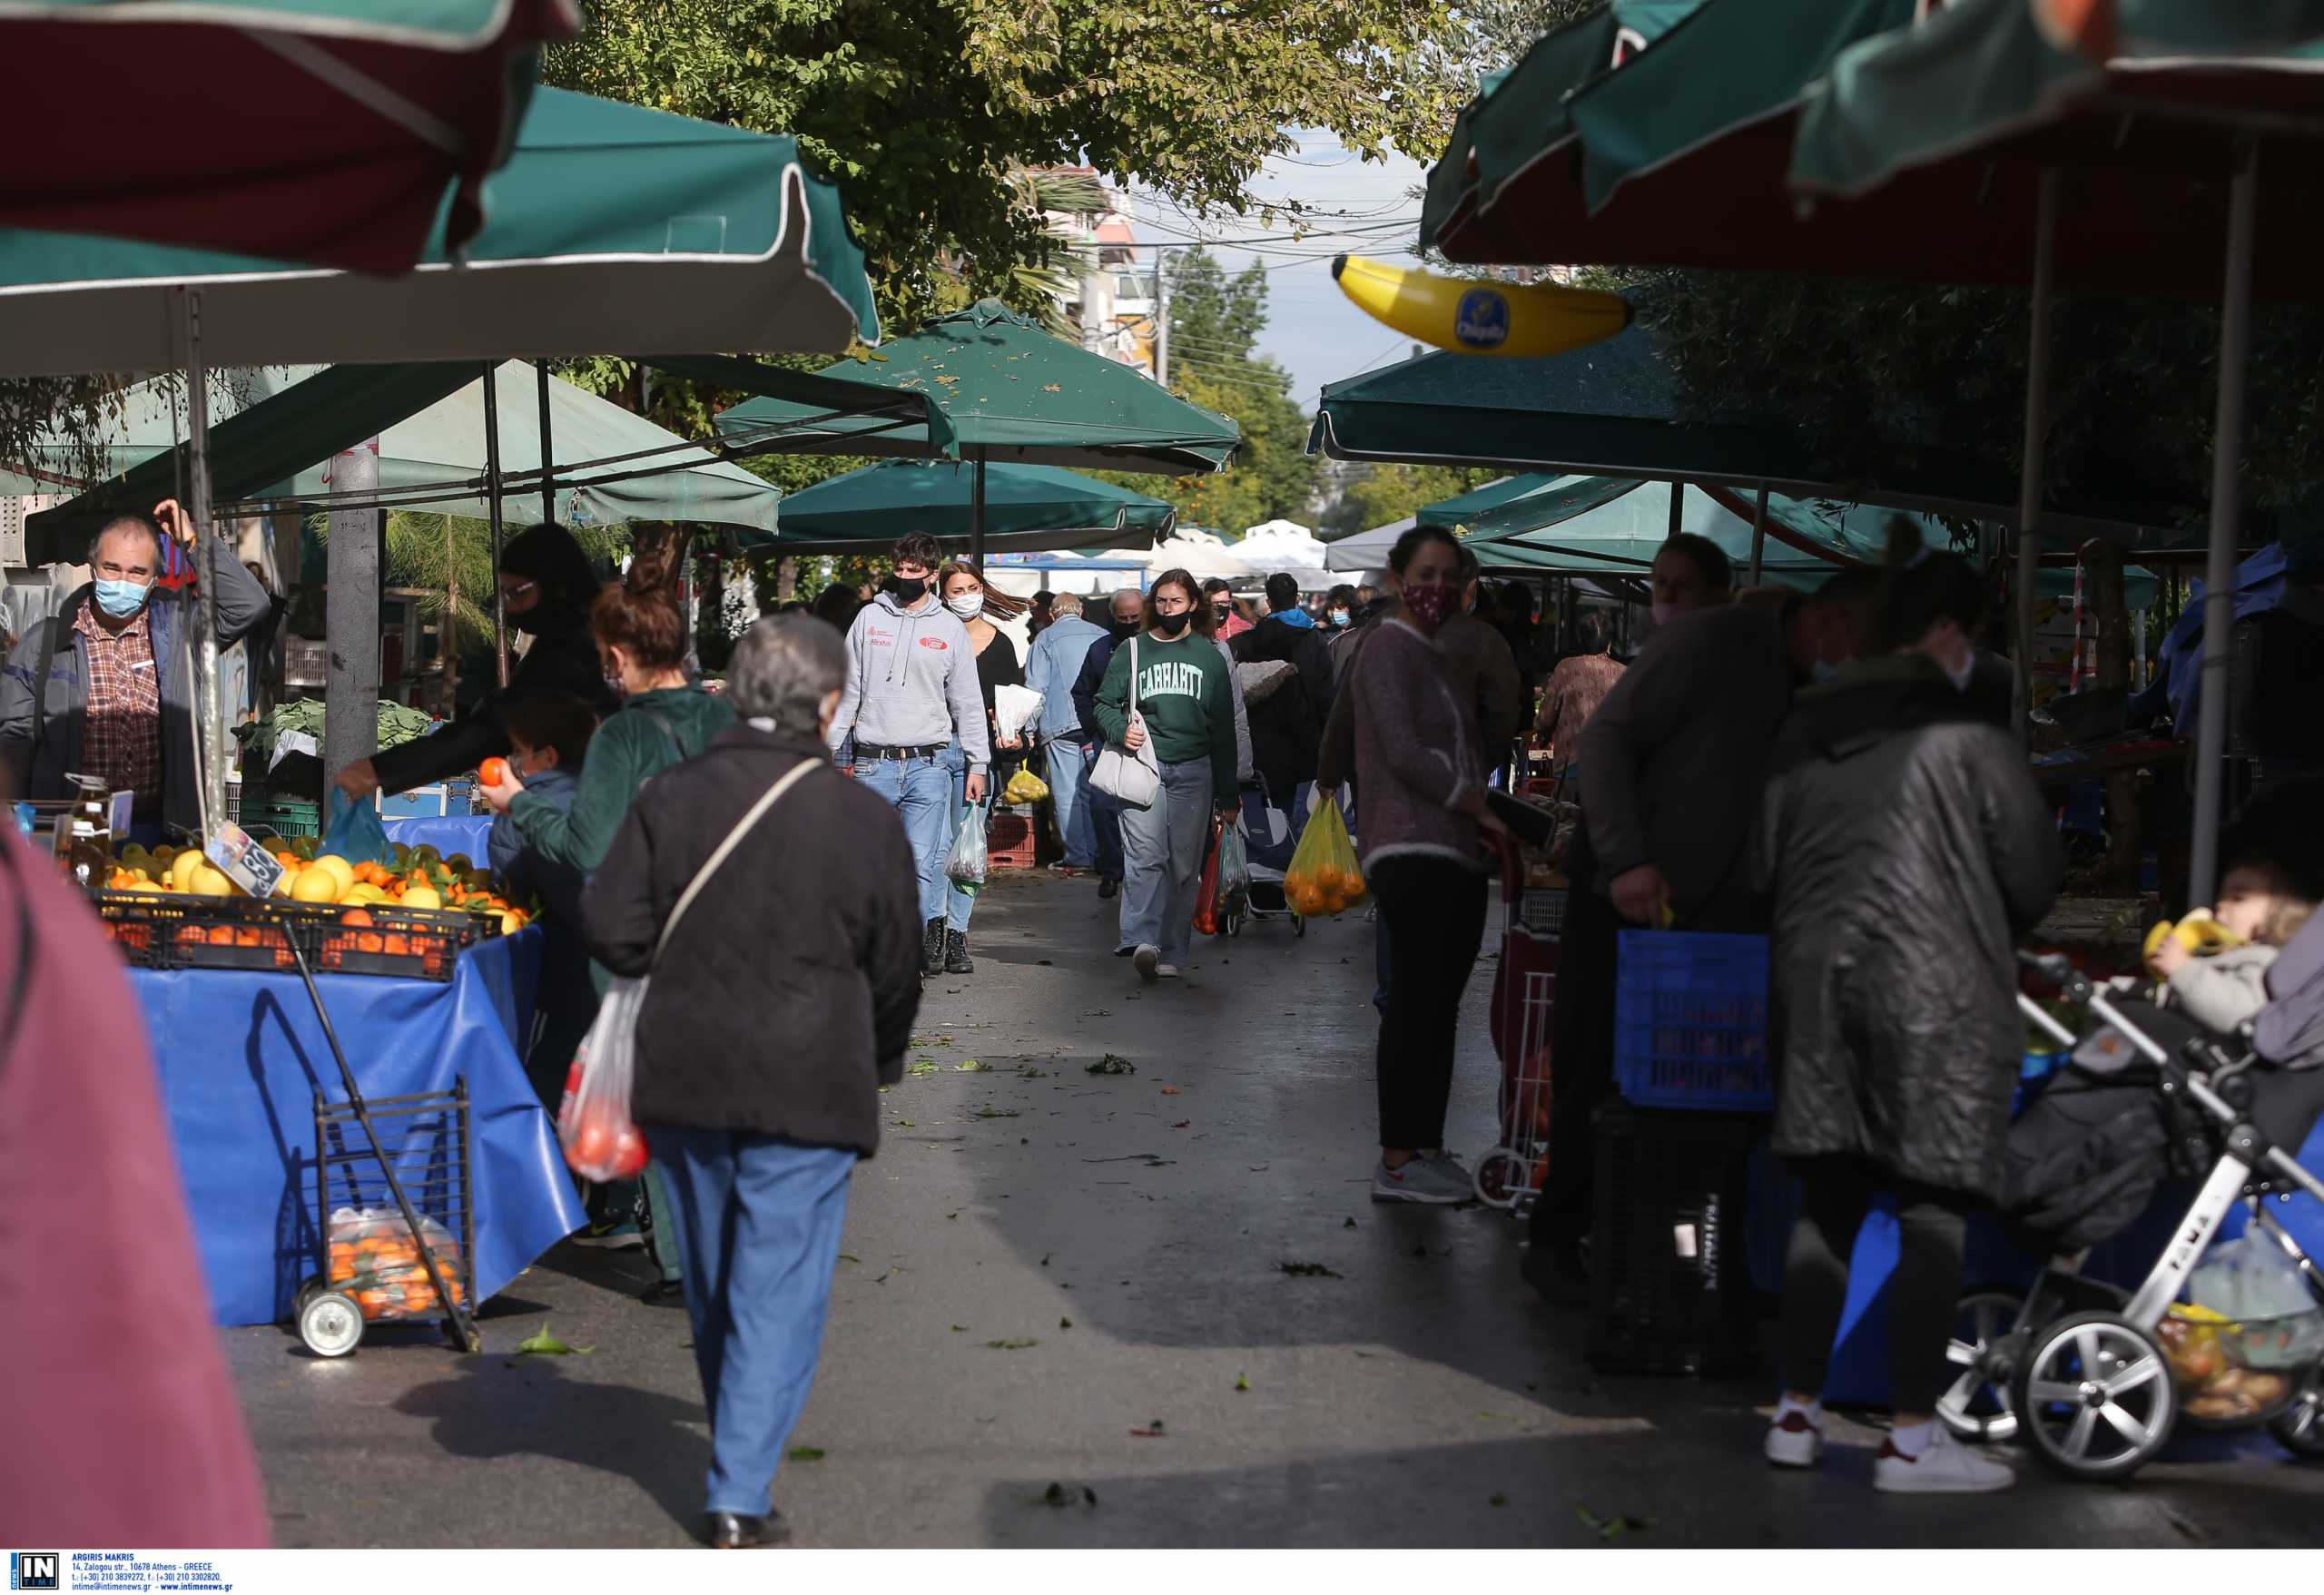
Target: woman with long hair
{"points": [[547, 588], [640, 640], [1907, 849], [961, 586], [1171, 687], [1575, 689], [1410, 740]]}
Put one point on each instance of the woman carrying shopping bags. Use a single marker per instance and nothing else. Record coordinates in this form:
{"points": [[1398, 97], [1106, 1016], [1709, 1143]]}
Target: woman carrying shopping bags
{"points": [[781, 1002], [961, 586], [1170, 687]]}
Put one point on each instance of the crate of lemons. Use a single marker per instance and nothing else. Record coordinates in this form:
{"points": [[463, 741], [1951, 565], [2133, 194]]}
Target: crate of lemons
{"points": [[419, 878]]}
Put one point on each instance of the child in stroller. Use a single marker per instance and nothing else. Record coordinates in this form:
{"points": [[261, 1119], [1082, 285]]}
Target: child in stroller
{"points": [[2085, 1374]]}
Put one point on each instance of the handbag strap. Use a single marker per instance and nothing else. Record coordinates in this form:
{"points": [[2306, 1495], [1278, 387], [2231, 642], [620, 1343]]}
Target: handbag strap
{"points": [[767, 800]]}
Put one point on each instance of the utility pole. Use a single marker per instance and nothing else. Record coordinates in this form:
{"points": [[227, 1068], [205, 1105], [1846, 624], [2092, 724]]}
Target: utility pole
{"points": [[351, 608], [1161, 321]]}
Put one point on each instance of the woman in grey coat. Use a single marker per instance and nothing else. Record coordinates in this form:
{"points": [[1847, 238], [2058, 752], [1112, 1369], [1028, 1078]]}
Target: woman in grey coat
{"points": [[1907, 850]]}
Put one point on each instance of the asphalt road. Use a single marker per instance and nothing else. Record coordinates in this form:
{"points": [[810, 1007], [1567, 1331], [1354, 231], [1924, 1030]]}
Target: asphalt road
{"points": [[1055, 1276]]}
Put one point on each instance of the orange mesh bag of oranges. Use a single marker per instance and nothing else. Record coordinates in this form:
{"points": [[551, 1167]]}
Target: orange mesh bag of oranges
{"points": [[1324, 877], [376, 1259]]}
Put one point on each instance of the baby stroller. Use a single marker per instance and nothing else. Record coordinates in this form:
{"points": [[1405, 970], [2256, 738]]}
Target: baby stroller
{"points": [[2082, 1372], [1272, 836]]}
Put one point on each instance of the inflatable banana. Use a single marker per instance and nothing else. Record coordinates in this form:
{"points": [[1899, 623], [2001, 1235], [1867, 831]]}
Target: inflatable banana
{"points": [[1470, 316]]}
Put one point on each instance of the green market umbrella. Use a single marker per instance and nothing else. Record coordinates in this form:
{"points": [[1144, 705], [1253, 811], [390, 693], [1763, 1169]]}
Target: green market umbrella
{"points": [[614, 467], [610, 229], [1016, 394], [1027, 509], [1452, 511], [324, 131]]}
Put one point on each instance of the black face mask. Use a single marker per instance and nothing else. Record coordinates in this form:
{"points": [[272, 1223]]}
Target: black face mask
{"points": [[1121, 628], [907, 589], [1171, 625]]}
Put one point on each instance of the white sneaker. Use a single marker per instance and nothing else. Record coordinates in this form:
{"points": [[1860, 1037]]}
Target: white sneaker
{"points": [[1147, 961], [1794, 1441], [1166, 971], [1946, 1467]]}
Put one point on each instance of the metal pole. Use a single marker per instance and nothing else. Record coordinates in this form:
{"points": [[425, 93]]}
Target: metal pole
{"points": [[492, 510], [1162, 318], [351, 613], [1677, 506], [548, 459], [211, 727], [2218, 570], [976, 516], [2037, 414], [1759, 533]]}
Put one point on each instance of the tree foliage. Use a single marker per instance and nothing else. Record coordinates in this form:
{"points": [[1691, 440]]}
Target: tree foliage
{"points": [[1374, 495]]}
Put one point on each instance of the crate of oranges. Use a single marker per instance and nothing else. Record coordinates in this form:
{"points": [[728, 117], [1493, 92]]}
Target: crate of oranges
{"points": [[1324, 878]]}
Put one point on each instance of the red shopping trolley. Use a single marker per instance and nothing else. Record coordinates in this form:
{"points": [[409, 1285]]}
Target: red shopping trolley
{"points": [[1524, 994]]}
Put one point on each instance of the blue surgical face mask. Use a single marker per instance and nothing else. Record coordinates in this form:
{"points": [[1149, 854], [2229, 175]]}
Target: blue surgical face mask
{"points": [[122, 599]]}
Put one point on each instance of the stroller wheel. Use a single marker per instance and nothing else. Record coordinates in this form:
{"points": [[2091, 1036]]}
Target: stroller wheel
{"points": [[1976, 1405], [1234, 922], [1501, 1178], [2094, 1398], [2299, 1427], [331, 1324]]}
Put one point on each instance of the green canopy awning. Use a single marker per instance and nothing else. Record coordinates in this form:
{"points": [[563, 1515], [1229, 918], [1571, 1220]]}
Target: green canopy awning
{"points": [[611, 228], [1016, 394], [1613, 410], [1028, 508], [325, 131], [611, 466]]}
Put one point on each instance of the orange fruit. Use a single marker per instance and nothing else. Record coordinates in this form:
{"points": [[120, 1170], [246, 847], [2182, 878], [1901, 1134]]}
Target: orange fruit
{"points": [[493, 772], [358, 916]]}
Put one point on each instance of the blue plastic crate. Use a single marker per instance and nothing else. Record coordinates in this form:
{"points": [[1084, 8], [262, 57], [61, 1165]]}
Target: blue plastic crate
{"points": [[426, 802], [1691, 1021]]}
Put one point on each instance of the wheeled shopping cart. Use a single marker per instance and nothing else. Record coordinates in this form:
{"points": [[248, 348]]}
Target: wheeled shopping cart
{"points": [[1524, 997]]}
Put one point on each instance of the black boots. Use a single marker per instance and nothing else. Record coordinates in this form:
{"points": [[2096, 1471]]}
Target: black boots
{"points": [[932, 946], [955, 954]]}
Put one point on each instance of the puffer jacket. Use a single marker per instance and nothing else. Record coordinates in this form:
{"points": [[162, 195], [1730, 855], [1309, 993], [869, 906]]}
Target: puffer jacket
{"points": [[1907, 851]]}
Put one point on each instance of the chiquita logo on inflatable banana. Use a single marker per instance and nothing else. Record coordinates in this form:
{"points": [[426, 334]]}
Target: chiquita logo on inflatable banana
{"points": [[1469, 317]]}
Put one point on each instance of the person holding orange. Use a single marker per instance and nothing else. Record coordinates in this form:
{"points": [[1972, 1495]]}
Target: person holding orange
{"points": [[1410, 740]]}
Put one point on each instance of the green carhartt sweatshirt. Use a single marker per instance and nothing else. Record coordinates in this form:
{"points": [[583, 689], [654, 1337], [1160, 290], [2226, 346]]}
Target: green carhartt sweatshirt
{"points": [[1187, 699]]}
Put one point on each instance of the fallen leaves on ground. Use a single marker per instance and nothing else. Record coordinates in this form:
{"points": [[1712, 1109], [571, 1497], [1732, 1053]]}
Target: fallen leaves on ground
{"points": [[1612, 1528], [1172, 1091], [972, 1067], [1059, 1495], [1114, 1063], [1010, 1345], [546, 1344], [806, 1453], [1308, 1271], [1242, 1382], [1153, 1429]]}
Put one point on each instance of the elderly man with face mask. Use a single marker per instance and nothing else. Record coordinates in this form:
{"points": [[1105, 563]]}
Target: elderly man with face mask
{"points": [[105, 687]]}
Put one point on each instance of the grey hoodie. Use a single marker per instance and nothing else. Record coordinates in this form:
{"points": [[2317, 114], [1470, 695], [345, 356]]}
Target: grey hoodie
{"points": [[912, 680]]}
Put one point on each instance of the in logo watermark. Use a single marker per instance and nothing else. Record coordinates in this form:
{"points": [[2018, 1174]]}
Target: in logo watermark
{"points": [[34, 1570]]}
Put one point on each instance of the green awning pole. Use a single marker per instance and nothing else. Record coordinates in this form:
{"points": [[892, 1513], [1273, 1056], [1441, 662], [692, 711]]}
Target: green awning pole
{"points": [[1677, 506], [2219, 568], [2037, 411], [1759, 533], [548, 456], [492, 510]]}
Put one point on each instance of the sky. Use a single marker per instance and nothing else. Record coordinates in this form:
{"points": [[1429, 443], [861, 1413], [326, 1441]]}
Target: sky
{"points": [[1313, 329]]}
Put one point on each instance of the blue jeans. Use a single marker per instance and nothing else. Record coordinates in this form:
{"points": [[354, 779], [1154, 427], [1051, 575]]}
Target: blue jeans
{"points": [[1105, 811], [1164, 846], [759, 1221], [1068, 769], [921, 790], [959, 902]]}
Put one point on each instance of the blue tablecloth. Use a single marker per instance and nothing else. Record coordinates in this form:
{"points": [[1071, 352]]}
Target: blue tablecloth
{"points": [[242, 1055], [456, 833]]}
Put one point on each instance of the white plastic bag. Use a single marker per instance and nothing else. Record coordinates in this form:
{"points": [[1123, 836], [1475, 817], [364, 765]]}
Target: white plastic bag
{"points": [[2251, 1281], [1014, 709], [601, 1141], [967, 863]]}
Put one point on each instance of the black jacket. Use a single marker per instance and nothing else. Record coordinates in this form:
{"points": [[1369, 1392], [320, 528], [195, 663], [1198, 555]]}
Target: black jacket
{"points": [[785, 999], [1908, 850], [1287, 724], [563, 658], [1085, 686]]}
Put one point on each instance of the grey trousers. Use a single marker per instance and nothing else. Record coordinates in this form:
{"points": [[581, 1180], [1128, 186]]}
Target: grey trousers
{"points": [[1163, 848]]}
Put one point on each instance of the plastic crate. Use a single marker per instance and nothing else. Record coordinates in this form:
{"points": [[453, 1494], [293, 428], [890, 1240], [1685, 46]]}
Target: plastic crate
{"points": [[1691, 1021], [1009, 843], [281, 815], [173, 930], [426, 802], [1671, 1276]]}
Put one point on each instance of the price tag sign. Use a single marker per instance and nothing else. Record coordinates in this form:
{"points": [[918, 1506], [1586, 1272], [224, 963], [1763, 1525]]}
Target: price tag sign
{"points": [[242, 859], [122, 802]]}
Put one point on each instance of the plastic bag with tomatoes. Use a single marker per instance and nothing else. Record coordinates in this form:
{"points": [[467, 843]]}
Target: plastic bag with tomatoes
{"points": [[602, 1142], [1324, 878]]}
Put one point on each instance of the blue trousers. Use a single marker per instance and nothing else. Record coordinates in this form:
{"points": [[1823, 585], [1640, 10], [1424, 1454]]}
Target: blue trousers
{"points": [[1105, 829], [958, 902], [1068, 775], [759, 1221], [921, 790]]}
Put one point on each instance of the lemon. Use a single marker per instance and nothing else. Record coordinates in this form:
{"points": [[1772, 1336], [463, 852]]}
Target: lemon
{"points": [[315, 884], [422, 897], [181, 868], [210, 882], [339, 868]]}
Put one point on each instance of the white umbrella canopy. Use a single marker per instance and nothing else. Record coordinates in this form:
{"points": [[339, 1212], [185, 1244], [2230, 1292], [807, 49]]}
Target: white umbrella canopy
{"points": [[1286, 546], [1366, 550]]}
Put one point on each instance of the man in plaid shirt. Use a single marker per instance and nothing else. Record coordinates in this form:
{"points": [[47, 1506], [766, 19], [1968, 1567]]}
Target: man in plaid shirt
{"points": [[105, 688]]}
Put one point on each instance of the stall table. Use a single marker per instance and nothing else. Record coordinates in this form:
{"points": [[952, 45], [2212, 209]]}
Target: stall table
{"points": [[241, 1054], [451, 833]]}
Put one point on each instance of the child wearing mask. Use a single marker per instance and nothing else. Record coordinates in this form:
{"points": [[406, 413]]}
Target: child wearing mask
{"points": [[2260, 909], [549, 737]]}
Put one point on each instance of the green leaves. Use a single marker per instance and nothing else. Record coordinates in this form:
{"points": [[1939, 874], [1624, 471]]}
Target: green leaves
{"points": [[546, 1344]]}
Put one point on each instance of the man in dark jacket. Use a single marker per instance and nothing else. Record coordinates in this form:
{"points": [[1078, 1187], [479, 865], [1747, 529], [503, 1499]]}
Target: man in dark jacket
{"points": [[1126, 611], [785, 1002], [1287, 716], [105, 687]]}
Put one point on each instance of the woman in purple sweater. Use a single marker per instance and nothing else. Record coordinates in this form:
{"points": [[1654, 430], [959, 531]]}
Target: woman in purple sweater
{"points": [[1410, 740]]}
